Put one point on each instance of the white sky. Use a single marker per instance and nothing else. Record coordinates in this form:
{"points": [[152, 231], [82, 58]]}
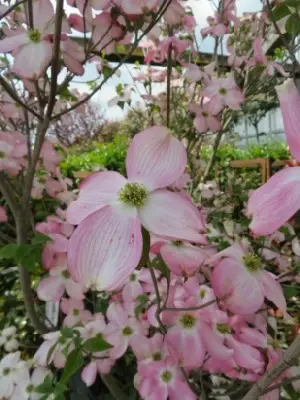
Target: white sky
{"points": [[202, 9]]}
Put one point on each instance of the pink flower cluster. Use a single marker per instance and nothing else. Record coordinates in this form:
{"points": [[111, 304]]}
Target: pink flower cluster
{"points": [[195, 316]]}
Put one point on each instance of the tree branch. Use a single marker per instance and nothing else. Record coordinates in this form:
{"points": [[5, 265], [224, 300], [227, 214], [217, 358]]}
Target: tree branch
{"points": [[10, 9], [289, 357], [21, 226]]}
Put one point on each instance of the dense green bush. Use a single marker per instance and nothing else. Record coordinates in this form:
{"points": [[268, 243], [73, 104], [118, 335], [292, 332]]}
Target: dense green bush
{"points": [[101, 155], [276, 150], [112, 157]]}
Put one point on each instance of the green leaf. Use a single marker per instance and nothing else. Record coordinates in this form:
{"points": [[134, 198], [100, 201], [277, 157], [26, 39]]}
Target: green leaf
{"points": [[121, 104], [8, 251], [290, 291], [161, 266], [40, 238], [96, 344], [60, 388], [292, 25], [142, 299], [46, 386], [280, 12], [292, 3], [74, 363], [106, 72], [67, 332], [27, 255]]}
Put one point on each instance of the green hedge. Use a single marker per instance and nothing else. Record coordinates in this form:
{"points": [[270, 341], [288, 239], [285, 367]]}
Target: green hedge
{"points": [[112, 155], [108, 155]]}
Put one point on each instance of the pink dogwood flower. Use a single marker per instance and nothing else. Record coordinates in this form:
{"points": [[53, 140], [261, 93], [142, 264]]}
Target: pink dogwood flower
{"points": [[183, 258], [25, 388], [274, 203], [195, 73], [289, 98], [121, 329], [106, 32], [277, 201], [260, 57], [75, 312], [239, 274], [186, 333], [106, 246], [223, 92], [149, 349], [61, 347], [136, 7], [204, 120], [32, 50], [13, 148], [12, 371], [59, 281], [162, 380]]}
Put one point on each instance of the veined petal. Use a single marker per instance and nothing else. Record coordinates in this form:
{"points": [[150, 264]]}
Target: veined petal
{"points": [[185, 258], [11, 43], [275, 202], [289, 99], [273, 291], [230, 280], [156, 158], [105, 249], [96, 191], [32, 60], [43, 15], [169, 214]]}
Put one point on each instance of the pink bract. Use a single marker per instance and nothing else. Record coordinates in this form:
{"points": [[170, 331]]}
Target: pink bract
{"points": [[111, 209]]}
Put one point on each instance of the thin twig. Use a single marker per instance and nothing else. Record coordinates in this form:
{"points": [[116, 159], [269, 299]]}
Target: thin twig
{"points": [[169, 76], [158, 298], [195, 308], [10, 9]]}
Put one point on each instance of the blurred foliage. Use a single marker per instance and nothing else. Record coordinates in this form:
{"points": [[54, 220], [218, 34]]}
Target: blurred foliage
{"points": [[275, 150], [99, 155]]}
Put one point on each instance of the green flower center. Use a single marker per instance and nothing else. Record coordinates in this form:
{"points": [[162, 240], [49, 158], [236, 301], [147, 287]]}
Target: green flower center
{"points": [[132, 278], [34, 35], [223, 328], [188, 321], [127, 331], [166, 376], [62, 340], [99, 335], [252, 262], [30, 388], [223, 91], [65, 274], [76, 312], [6, 371], [2, 154], [205, 114], [133, 194], [177, 243], [202, 294], [157, 356]]}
